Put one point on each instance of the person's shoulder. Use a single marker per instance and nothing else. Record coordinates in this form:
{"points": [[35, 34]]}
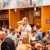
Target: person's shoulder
{"points": [[15, 35], [28, 26], [8, 35]]}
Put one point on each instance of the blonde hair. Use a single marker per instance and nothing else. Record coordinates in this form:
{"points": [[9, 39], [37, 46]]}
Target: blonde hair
{"points": [[25, 40], [25, 18]]}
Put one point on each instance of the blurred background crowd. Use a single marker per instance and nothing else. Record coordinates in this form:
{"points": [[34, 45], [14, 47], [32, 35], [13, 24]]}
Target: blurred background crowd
{"points": [[25, 37]]}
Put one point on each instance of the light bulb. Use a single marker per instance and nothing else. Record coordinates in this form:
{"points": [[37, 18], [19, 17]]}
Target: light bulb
{"points": [[35, 8], [15, 10]]}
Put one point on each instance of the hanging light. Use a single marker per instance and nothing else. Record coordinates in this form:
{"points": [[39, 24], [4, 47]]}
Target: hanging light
{"points": [[15, 9], [34, 5]]}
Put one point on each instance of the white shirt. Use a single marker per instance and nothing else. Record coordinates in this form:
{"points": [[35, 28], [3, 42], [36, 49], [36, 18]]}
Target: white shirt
{"points": [[33, 38], [25, 30], [12, 36]]}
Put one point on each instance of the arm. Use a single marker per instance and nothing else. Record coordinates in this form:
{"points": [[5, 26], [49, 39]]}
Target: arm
{"points": [[19, 28]]}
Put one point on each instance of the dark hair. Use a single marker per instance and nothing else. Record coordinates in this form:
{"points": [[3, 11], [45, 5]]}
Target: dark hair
{"points": [[33, 31], [7, 26], [34, 48], [8, 44], [44, 41], [32, 44], [43, 34], [38, 26], [12, 29], [48, 32]]}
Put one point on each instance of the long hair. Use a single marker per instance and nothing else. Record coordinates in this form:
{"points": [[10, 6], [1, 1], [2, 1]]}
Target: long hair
{"points": [[25, 18]]}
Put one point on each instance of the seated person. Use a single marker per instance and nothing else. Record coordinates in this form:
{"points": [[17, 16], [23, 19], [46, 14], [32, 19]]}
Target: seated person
{"points": [[13, 36], [33, 33]]}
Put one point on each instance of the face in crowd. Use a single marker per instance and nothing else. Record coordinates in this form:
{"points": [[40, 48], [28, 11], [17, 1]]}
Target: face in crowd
{"points": [[25, 20]]}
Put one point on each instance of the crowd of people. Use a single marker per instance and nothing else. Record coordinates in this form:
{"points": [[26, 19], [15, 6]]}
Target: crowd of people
{"points": [[24, 37]]}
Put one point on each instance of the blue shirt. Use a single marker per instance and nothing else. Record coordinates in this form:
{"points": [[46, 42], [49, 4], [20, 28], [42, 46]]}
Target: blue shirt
{"points": [[38, 36]]}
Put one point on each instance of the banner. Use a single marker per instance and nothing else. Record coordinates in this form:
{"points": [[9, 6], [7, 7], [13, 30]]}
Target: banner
{"points": [[23, 3], [9, 4], [13, 4], [46, 2], [39, 2]]}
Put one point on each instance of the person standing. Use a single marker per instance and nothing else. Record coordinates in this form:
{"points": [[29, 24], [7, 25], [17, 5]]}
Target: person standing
{"points": [[25, 28]]}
